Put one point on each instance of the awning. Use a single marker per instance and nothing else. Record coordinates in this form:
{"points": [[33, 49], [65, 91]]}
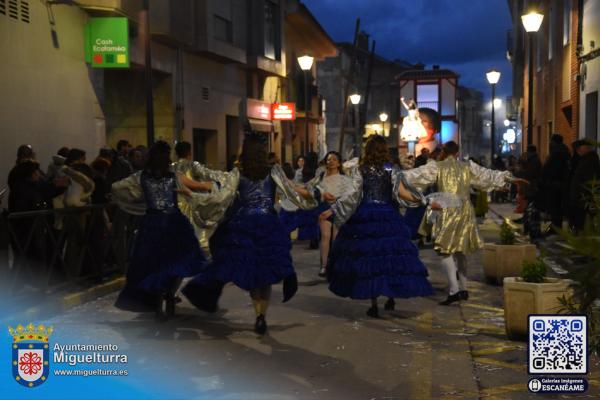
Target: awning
{"points": [[261, 125]]}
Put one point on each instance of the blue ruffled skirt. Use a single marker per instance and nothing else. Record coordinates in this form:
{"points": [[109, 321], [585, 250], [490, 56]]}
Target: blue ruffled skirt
{"points": [[413, 218], [165, 251], [289, 220], [308, 222], [252, 250], [373, 256]]}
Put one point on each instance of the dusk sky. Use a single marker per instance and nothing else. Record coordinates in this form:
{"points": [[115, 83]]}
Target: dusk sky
{"points": [[467, 36]]}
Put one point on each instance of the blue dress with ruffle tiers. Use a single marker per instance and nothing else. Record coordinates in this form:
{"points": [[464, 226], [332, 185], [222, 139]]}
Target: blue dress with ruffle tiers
{"points": [[251, 248], [373, 254], [165, 250]]}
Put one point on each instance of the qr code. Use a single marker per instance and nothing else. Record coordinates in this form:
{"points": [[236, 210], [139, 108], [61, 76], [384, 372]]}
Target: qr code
{"points": [[557, 344]]}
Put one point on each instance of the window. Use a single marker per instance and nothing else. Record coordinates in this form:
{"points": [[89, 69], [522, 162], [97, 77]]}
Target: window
{"points": [[223, 29], [428, 96], [566, 21], [272, 46]]}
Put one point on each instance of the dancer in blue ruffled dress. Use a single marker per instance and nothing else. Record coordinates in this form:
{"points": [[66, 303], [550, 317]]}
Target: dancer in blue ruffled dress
{"points": [[373, 255], [251, 247], [166, 248]]}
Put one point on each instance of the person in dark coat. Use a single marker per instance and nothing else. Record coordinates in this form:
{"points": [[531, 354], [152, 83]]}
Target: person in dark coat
{"points": [[554, 181], [586, 170], [422, 158], [531, 171], [120, 167]]}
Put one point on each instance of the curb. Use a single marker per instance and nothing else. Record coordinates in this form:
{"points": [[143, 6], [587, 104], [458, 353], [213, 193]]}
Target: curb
{"points": [[66, 302]]}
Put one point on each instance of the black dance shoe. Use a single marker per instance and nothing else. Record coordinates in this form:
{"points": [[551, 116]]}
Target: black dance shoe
{"points": [[450, 299], [323, 272], [464, 295], [390, 304], [373, 312], [170, 306], [260, 326]]}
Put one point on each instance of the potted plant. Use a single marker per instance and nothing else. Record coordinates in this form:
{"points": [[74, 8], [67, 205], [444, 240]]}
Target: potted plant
{"points": [[506, 259], [532, 293]]}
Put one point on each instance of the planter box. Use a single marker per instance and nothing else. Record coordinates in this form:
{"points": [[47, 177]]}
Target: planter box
{"points": [[523, 298], [501, 261]]}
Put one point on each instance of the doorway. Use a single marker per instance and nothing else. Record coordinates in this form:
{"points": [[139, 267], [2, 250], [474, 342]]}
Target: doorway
{"points": [[205, 146]]}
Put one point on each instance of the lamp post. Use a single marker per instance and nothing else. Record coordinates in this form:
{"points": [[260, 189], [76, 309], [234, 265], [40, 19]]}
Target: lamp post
{"points": [[383, 117], [531, 22], [306, 63], [493, 77], [355, 100]]}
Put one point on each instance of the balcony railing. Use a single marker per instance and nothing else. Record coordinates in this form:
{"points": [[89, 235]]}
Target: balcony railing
{"points": [[428, 104]]}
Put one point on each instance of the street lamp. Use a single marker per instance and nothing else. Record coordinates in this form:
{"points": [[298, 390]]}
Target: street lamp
{"points": [[531, 22], [306, 63], [383, 117], [493, 77], [506, 123], [355, 98]]}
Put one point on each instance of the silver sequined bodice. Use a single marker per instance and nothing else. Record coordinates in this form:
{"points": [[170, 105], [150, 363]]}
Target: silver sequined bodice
{"points": [[257, 196], [160, 193]]}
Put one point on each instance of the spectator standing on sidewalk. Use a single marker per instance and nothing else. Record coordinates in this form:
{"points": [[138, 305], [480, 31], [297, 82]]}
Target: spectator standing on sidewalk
{"points": [[587, 169], [422, 158], [554, 181], [120, 167]]}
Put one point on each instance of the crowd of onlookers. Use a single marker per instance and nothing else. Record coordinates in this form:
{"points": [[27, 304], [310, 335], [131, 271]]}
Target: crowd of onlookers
{"points": [[69, 181], [559, 187]]}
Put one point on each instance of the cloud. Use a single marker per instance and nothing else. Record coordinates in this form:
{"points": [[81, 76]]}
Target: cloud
{"points": [[445, 32]]}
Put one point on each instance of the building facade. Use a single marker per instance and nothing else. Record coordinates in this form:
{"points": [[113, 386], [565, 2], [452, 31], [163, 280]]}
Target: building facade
{"points": [[216, 65], [589, 126], [362, 119], [555, 66], [474, 139]]}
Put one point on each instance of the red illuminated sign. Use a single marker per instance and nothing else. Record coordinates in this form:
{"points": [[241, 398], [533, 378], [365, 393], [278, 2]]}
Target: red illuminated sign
{"points": [[284, 111]]}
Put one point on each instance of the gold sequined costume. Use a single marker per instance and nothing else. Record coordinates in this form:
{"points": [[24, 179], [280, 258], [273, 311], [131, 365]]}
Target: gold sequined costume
{"points": [[456, 230]]}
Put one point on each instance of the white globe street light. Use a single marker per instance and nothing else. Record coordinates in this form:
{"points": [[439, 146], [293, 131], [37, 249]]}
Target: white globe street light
{"points": [[306, 63], [532, 21], [506, 123], [383, 117], [493, 76]]}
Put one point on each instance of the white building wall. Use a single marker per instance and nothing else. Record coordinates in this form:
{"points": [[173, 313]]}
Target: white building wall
{"points": [[48, 99], [590, 70]]}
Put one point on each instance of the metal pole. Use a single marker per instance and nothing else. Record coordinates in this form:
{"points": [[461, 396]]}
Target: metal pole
{"points": [[148, 76], [530, 93], [306, 110], [347, 87], [364, 113], [493, 132]]}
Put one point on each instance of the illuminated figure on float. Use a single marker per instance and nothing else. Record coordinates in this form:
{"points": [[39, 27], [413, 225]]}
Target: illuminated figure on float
{"points": [[412, 126]]}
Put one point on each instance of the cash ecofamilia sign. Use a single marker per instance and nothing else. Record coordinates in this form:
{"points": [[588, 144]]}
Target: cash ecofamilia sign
{"points": [[107, 42]]}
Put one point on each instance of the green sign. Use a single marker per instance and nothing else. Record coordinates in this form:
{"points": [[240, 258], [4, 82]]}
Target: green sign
{"points": [[107, 42]]}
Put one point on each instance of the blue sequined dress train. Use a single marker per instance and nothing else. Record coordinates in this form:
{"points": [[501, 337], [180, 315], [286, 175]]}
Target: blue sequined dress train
{"points": [[165, 250], [373, 254]]}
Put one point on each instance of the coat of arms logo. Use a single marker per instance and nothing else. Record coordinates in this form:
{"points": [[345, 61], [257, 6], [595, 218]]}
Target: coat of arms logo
{"points": [[30, 354]]}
